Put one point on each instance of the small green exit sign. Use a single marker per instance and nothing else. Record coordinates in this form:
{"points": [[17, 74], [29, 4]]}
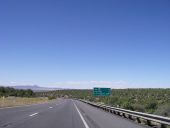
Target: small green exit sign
{"points": [[101, 91]]}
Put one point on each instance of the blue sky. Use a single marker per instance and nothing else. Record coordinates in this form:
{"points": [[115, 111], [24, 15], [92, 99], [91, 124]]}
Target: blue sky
{"points": [[85, 43]]}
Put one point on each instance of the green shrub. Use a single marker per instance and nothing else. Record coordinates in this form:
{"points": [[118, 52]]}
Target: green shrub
{"points": [[138, 107], [163, 110], [51, 97], [152, 104], [8, 91], [127, 105]]}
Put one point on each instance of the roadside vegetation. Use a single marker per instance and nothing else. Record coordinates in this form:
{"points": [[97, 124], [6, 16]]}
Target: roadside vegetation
{"points": [[18, 101], [8, 91], [14, 97], [153, 101]]}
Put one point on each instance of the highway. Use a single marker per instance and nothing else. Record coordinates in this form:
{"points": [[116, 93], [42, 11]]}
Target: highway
{"points": [[62, 113]]}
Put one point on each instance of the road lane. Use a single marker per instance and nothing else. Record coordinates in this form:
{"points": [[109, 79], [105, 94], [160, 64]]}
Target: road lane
{"points": [[97, 118], [8, 116], [52, 115], [62, 114]]}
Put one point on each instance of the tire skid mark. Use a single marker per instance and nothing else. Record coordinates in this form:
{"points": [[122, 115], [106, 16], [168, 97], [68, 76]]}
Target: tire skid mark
{"points": [[6, 124]]}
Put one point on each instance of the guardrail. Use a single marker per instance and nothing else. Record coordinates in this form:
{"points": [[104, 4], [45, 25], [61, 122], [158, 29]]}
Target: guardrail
{"points": [[139, 117]]}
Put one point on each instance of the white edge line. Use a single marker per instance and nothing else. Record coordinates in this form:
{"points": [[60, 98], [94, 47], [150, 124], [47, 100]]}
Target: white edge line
{"points": [[33, 114], [84, 122]]}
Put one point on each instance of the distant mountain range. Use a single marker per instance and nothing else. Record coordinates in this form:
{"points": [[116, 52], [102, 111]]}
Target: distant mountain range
{"points": [[35, 88]]}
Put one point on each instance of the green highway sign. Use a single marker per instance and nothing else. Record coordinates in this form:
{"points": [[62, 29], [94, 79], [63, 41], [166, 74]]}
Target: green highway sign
{"points": [[101, 91]]}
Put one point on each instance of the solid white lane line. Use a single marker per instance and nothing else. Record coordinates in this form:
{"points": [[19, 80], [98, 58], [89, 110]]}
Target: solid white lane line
{"points": [[33, 114], [84, 122]]}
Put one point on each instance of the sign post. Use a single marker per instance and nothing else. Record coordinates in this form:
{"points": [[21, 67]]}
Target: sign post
{"points": [[101, 91]]}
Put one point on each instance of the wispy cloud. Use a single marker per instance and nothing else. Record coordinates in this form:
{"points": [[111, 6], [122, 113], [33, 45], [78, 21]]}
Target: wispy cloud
{"points": [[91, 84], [13, 82]]}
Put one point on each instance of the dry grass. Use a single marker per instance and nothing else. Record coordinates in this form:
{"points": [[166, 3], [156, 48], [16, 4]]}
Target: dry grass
{"points": [[18, 101]]}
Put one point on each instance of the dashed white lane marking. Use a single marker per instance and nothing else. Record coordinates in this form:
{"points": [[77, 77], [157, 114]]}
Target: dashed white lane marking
{"points": [[33, 114], [50, 107], [84, 122], [60, 103]]}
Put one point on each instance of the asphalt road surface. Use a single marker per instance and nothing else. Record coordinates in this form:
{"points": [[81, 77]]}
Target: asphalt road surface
{"points": [[62, 113]]}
